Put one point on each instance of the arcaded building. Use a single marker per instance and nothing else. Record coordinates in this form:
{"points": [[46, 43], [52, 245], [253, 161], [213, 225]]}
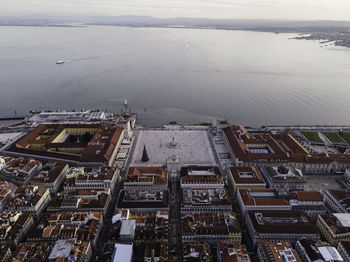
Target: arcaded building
{"points": [[76, 144]]}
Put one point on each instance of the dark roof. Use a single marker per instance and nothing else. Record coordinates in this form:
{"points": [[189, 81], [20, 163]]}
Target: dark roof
{"points": [[346, 245], [282, 222], [311, 249], [143, 204], [51, 175]]}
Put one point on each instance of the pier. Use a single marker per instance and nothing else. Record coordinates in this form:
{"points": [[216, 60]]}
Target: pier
{"points": [[12, 118]]}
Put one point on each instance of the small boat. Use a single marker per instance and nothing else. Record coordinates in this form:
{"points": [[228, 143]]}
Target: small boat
{"points": [[60, 62], [34, 112]]}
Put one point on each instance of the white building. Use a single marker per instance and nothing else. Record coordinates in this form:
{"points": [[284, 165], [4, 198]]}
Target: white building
{"points": [[311, 250], [127, 230], [122, 253], [2, 163]]}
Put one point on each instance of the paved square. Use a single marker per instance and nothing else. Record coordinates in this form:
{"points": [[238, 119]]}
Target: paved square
{"points": [[188, 146]]}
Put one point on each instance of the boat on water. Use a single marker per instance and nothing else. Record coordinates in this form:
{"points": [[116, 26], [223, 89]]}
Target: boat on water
{"points": [[34, 112], [60, 62]]}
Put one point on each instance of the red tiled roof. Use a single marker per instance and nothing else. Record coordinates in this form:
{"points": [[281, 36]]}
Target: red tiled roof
{"points": [[284, 146], [265, 201], [99, 148], [301, 225], [306, 196], [236, 174]]}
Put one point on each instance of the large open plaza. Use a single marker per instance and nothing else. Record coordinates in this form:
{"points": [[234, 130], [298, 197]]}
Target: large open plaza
{"points": [[185, 146]]}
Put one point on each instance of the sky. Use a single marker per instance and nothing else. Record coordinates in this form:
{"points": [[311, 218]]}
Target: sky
{"points": [[235, 9]]}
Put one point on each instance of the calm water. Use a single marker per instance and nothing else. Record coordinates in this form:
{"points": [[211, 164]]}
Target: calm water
{"points": [[184, 75]]}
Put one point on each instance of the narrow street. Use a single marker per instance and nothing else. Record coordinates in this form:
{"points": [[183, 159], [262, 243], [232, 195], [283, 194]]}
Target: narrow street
{"points": [[175, 229], [107, 220]]}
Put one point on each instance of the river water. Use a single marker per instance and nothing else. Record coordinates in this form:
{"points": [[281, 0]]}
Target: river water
{"points": [[183, 75]]}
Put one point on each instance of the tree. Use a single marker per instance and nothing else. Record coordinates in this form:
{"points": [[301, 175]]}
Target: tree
{"points": [[144, 155]]}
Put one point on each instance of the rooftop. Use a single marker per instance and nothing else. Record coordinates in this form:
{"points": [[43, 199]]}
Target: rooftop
{"points": [[278, 252], [346, 245], [143, 199], [338, 223], [62, 248], [54, 218], [219, 223], [32, 251], [4, 185], [261, 197], [275, 147], [79, 176], [20, 168], [343, 219], [122, 252], [82, 228], [69, 250], [281, 222], [200, 197], [153, 175], [150, 225], [230, 252], [128, 227], [156, 250], [11, 224], [83, 193], [283, 174], [74, 142], [82, 198], [197, 252], [342, 196], [201, 175], [49, 173], [306, 196], [246, 175], [330, 254], [268, 147], [311, 248], [26, 196]]}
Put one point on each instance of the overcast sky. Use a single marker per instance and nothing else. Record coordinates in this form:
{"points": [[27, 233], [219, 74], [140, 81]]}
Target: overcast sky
{"points": [[271, 9]]}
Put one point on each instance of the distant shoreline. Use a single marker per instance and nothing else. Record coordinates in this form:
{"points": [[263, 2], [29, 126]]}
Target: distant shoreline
{"points": [[341, 39]]}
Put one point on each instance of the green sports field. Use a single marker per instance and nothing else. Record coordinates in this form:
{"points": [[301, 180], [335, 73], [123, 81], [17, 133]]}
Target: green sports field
{"points": [[333, 137], [312, 136]]}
